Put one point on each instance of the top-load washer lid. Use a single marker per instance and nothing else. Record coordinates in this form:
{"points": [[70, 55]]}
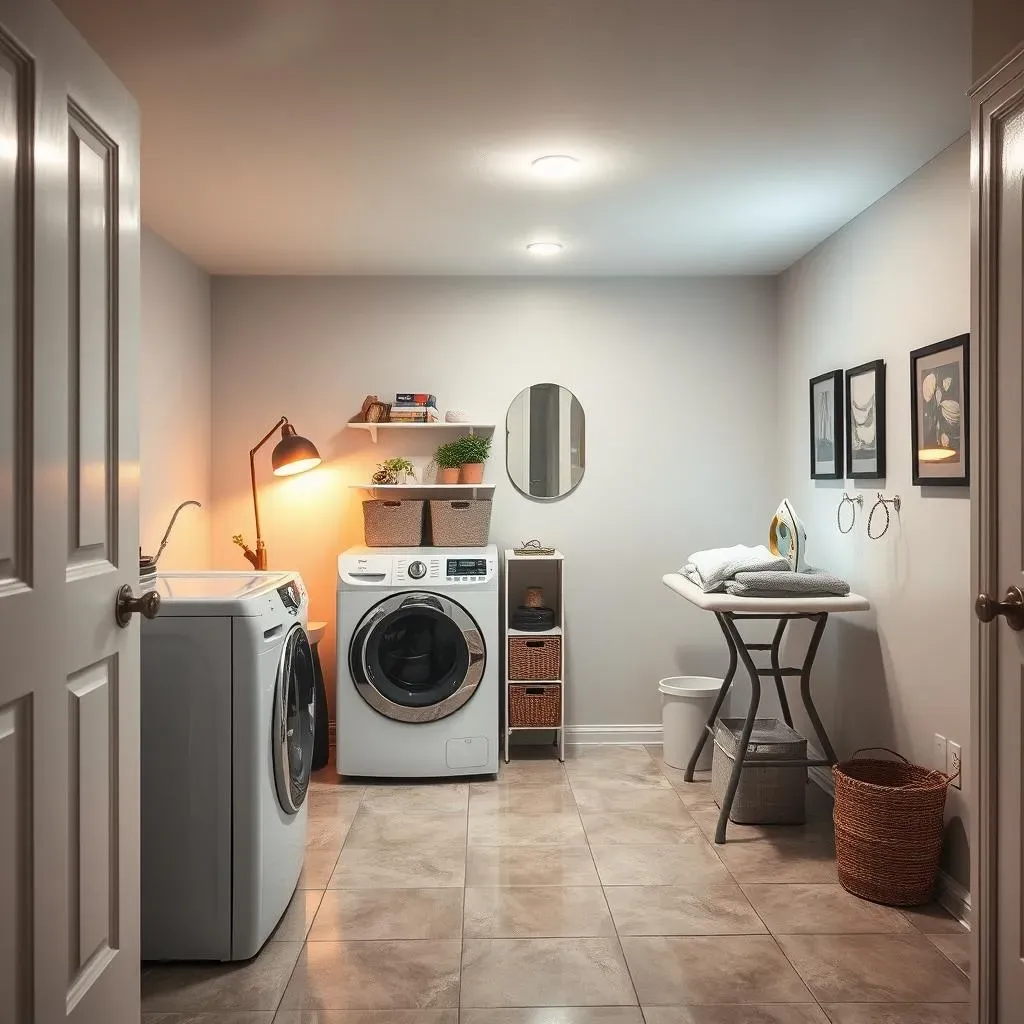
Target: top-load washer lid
{"points": [[216, 593]]}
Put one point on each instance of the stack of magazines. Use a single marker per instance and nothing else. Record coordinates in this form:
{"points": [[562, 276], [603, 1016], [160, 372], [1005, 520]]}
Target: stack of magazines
{"points": [[410, 407]]}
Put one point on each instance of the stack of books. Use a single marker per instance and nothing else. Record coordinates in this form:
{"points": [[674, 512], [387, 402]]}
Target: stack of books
{"points": [[410, 407]]}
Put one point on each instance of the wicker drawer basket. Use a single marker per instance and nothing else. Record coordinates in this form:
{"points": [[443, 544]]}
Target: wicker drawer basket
{"points": [[460, 524], [393, 524], [535, 706], [766, 796], [535, 657]]}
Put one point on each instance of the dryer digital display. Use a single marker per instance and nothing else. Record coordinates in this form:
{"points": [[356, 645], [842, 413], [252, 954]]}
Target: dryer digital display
{"points": [[467, 567]]}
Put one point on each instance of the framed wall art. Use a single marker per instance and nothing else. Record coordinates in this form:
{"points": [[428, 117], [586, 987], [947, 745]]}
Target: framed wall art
{"points": [[865, 421], [826, 426], [940, 414]]}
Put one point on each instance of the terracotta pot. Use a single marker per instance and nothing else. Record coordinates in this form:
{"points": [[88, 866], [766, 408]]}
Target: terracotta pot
{"points": [[448, 476], [472, 473]]}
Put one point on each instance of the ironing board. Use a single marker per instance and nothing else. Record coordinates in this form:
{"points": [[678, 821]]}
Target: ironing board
{"points": [[729, 610]]}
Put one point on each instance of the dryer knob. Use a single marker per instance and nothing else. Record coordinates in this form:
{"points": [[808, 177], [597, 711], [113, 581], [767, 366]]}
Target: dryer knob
{"points": [[417, 570]]}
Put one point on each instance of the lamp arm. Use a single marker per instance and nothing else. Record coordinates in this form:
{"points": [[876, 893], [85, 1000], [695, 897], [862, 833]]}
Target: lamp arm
{"points": [[252, 476]]}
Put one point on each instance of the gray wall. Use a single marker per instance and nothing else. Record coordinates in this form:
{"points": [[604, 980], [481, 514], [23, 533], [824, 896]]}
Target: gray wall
{"points": [[997, 29], [677, 381], [174, 411], [894, 279]]}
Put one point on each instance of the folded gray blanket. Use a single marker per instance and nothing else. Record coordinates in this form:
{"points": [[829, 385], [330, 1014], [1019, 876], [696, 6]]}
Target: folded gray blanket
{"points": [[771, 583], [713, 568]]}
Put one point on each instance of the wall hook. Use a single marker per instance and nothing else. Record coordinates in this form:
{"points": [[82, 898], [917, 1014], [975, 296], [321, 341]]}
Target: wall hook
{"points": [[853, 503], [884, 503]]}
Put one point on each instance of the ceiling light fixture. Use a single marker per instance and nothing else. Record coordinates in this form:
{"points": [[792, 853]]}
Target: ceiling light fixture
{"points": [[557, 165], [544, 249]]}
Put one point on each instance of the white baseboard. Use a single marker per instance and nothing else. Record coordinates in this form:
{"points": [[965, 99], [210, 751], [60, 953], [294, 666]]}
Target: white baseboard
{"points": [[577, 735], [949, 893]]}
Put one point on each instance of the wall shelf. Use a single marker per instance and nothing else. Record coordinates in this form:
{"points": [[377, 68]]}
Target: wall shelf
{"points": [[466, 490], [556, 631], [373, 428]]}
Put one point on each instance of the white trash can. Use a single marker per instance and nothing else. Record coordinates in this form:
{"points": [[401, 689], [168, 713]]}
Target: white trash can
{"points": [[686, 702]]}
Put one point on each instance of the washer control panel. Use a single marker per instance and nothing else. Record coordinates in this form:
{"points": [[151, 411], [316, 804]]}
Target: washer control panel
{"points": [[426, 567], [466, 570]]}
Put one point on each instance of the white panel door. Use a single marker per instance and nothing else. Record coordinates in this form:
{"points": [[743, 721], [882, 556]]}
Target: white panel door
{"points": [[69, 676]]}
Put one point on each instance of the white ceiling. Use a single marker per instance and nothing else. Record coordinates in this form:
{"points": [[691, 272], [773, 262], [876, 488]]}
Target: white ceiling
{"points": [[395, 136]]}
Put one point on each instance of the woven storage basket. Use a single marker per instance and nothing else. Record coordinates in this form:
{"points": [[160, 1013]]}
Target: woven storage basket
{"points": [[393, 524], [535, 706], [765, 796], [888, 821], [535, 658], [460, 524]]}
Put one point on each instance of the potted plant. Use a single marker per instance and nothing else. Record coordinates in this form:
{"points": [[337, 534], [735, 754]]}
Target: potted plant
{"points": [[473, 451], [446, 458], [401, 469]]}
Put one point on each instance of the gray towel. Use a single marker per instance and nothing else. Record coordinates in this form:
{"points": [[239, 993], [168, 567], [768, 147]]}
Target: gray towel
{"points": [[811, 583], [713, 568]]}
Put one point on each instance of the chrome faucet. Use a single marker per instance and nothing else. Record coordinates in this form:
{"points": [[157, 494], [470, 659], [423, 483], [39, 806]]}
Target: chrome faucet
{"points": [[170, 526]]}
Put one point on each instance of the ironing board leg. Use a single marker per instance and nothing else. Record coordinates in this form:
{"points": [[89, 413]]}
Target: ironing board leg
{"points": [[805, 688], [779, 683], [719, 701], [748, 725]]}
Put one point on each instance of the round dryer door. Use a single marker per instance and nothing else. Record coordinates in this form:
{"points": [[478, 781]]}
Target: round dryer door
{"points": [[417, 657], [294, 711]]}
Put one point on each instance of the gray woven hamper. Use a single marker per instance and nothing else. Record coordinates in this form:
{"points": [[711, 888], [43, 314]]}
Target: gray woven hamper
{"points": [[766, 796]]}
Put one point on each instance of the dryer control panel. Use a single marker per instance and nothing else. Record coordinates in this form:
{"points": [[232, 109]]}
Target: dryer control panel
{"points": [[419, 567]]}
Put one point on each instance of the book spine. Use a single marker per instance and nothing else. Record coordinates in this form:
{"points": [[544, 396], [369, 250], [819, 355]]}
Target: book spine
{"points": [[411, 398]]}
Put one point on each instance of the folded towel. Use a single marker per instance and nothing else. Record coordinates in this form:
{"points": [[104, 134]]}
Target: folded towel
{"points": [[809, 583], [711, 569]]}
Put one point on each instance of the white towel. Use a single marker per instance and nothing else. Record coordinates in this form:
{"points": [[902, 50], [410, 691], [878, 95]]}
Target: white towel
{"points": [[787, 584], [711, 569]]}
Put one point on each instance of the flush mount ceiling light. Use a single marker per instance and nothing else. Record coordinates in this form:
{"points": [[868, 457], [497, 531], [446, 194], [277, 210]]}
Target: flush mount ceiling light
{"points": [[544, 249], [557, 165]]}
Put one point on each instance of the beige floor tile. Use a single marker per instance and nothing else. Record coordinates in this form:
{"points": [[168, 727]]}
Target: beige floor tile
{"points": [[797, 857], [235, 1017], [256, 984], [608, 758], [327, 834], [317, 868], [585, 777], [388, 914], [545, 972], [874, 968], [294, 925], [400, 867], [367, 1017], [706, 813], [793, 1013], [531, 866], [932, 919], [526, 799], [706, 969], [797, 908], [339, 802], [511, 828], [638, 828], [899, 1013], [383, 829], [535, 771], [375, 976], [445, 798], [663, 801], [537, 912], [696, 792], [691, 861], [716, 908], [956, 948], [554, 1015]]}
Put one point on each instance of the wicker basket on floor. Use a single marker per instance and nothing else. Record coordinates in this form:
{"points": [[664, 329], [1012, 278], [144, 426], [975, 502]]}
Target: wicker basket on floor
{"points": [[538, 707], [539, 658], [888, 822]]}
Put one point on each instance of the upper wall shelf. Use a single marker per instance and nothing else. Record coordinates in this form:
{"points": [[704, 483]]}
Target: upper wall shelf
{"points": [[372, 428]]}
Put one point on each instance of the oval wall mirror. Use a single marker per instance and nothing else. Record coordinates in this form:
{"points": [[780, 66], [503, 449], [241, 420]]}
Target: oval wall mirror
{"points": [[546, 442]]}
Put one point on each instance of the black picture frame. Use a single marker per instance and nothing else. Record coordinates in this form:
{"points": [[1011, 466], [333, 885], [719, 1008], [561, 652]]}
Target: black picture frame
{"points": [[932, 408], [858, 465], [823, 420]]}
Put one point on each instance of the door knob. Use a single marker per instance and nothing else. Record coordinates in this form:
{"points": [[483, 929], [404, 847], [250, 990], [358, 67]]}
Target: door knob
{"points": [[127, 605], [1011, 608]]}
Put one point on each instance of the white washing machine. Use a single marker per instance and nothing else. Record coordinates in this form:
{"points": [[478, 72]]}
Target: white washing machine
{"points": [[227, 743], [417, 662]]}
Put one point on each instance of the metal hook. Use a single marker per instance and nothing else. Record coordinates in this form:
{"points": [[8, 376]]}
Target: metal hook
{"points": [[859, 500], [885, 503]]}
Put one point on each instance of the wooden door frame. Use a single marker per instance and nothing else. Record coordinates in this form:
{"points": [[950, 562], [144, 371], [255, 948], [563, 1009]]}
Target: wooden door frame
{"points": [[991, 100]]}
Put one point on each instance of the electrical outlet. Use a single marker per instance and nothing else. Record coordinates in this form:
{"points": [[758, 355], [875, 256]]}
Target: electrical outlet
{"points": [[939, 753], [955, 766]]}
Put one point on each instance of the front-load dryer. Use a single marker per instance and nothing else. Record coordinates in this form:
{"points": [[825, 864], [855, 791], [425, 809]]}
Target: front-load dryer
{"points": [[227, 744], [417, 681]]}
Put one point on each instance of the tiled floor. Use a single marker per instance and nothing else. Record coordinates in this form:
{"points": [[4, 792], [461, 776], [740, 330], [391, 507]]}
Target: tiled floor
{"points": [[583, 894]]}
